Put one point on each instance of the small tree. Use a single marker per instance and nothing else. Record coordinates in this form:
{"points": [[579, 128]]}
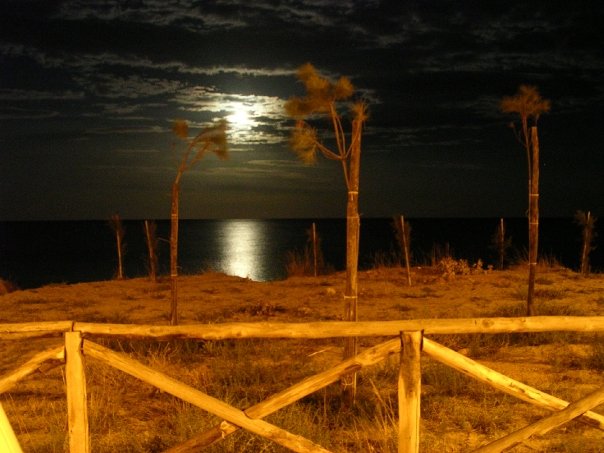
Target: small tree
{"points": [[529, 105], [322, 97], [115, 222], [588, 222], [212, 139]]}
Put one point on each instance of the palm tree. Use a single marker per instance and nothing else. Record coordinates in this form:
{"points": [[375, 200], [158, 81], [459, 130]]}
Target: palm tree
{"points": [[529, 105], [322, 97], [210, 139]]}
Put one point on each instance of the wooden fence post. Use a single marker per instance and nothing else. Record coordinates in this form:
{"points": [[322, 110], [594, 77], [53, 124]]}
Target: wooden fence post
{"points": [[409, 392], [75, 378], [8, 440]]}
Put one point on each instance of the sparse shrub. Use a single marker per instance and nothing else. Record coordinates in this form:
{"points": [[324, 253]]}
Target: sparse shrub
{"points": [[449, 267], [298, 264], [262, 309], [383, 259]]}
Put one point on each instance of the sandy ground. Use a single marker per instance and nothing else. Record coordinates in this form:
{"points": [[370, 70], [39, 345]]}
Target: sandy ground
{"points": [[383, 294]]}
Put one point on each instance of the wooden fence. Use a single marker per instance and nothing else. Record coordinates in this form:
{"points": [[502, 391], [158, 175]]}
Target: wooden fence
{"points": [[409, 341]]}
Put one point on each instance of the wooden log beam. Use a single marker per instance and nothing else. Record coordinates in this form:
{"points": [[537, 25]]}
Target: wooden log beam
{"points": [[9, 380], [409, 392], [201, 400], [288, 396], [546, 424], [335, 329], [75, 381], [503, 383], [18, 331]]}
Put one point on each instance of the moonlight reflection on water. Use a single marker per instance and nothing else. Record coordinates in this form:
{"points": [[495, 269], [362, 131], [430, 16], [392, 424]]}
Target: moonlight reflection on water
{"points": [[240, 252]]}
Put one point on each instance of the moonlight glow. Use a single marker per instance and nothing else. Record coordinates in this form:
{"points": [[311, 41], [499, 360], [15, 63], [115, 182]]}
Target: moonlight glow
{"points": [[240, 118]]}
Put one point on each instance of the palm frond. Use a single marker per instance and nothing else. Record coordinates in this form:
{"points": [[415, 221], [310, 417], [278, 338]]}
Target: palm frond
{"points": [[527, 102], [213, 138], [343, 88], [304, 143], [320, 93], [359, 111]]}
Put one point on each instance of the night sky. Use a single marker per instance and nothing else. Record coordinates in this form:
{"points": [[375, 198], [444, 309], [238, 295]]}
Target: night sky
{"points": [[89, 91]]}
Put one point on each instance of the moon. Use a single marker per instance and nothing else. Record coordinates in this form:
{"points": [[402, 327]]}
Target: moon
{"points": [[240, 118]]}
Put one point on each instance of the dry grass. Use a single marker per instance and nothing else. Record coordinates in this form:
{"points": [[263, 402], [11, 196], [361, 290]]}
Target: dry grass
{"points": [[458, 414]]}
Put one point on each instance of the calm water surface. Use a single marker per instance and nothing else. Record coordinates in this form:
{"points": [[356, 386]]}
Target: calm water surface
{"points": [[37, 253]]}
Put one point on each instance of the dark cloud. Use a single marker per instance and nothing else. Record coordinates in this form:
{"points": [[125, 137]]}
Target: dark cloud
{"points": [[89, 88]]}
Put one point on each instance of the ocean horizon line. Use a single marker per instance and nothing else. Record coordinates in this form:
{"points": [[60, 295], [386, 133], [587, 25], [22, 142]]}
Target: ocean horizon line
{"points": [[136, 219]]}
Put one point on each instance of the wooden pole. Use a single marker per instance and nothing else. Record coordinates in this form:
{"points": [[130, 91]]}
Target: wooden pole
{"points": [[315, 249], [501, 243], [342, 329], [174, 251], [8, 440], [406, 250], [75, 381], [546, 424], [151, 246], [116, 224], [18, 331], [353, 226], [533, 222], [409, 392], [587, 234], [9, 380]]}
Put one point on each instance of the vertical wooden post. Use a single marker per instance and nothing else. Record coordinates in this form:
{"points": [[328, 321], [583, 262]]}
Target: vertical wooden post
{"points": [[174, 251], [587, 237], [533, 221], [151, 249], [77, 413], [315, 249], [353, 227], [116, 225], [501, 243], [409, 392], [406, 249], [8, 440]]}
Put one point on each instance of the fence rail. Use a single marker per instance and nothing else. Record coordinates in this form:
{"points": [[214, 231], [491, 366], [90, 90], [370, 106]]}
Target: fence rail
{"points": [[308, 330], [409, 343]]}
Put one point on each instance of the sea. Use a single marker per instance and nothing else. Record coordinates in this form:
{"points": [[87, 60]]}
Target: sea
{"points": [[33, 254]]}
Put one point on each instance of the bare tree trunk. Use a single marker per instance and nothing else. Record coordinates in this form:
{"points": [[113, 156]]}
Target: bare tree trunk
{"points": [[174, 252], [150, 228], [533, 222], [353, 225]]}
